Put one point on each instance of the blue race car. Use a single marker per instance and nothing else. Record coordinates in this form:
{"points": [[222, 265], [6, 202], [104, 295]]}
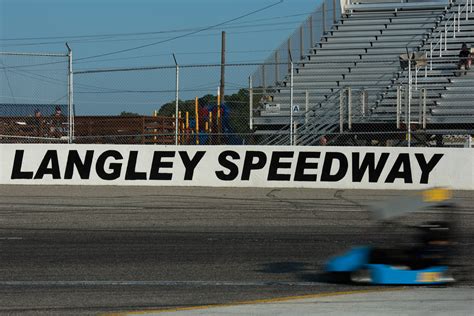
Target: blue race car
{"points": [[425, 263]]}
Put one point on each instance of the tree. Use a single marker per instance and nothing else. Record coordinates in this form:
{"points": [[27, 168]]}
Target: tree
{"points": [[237, 104], [125, 113]]}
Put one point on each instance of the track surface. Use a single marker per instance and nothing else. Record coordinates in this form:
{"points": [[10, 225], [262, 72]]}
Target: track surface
{"points": [[87, 250]]}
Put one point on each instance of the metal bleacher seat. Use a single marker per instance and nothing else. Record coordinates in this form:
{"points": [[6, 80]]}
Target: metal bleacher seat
{"points": [[361, 51], [449, 97]]}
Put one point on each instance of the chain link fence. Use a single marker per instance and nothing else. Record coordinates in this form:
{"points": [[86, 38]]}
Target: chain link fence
{"points": [[181, 104], [400, 84], [34, 97], [163, 105], [370, 103]]}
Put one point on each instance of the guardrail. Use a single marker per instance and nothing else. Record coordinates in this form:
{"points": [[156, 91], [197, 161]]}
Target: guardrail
{"points": [[453, 24]]}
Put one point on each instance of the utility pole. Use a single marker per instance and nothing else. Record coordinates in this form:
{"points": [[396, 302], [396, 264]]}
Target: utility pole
{"points": [[221, 87], [70, 94]]}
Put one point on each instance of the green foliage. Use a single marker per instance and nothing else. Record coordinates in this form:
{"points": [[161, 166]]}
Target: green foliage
{"points": [[125, 113]]}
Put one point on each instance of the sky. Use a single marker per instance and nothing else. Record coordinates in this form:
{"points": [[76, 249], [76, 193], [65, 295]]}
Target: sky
{"points": [[103, 27]]}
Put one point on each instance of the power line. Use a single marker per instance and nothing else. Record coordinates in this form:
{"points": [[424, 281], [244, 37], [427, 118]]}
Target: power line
{"points": [[112, 39], [183, 35], [54, 81], [111, 35]]}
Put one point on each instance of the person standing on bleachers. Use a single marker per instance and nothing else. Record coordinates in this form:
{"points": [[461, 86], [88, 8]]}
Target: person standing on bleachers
{"points": [[464, 59]]}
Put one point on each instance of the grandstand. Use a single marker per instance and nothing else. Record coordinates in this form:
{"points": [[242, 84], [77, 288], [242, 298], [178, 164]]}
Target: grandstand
{"points": [[356, 78]]}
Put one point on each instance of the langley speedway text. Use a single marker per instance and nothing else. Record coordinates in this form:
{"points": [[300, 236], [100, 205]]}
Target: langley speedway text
{"points": [[287, 165]]}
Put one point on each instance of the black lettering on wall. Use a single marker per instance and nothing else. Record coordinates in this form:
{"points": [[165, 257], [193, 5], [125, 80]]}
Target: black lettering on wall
{"points": [[17, 173], [115, 167], [250, 165], [50, 158], [190, 163], [131, 173], [368, 164], [226, 163], [401, 170], [82, 167], [276, 164], [329, 158], [302, 165], [157, 164], [427, 167]]}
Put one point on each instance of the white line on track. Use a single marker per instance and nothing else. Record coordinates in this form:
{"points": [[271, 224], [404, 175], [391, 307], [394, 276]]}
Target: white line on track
{"points": [[11, 238], [155, 283]]}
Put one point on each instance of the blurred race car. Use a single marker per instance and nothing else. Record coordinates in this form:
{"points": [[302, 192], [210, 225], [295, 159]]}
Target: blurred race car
{"points": [[425, 263]]}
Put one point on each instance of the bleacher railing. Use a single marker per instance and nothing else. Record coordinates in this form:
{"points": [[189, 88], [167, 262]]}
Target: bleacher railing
{"points": [[452, 26]]}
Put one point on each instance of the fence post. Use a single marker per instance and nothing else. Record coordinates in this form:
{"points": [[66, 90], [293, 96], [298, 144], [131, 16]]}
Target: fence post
{"points": [[196, 124], [70, 99], [334, 19], [301, 43], [399, 105], [289, 54], [341, 110], [250, 103], [405, 101], [349, 108], [176, 107], [306, 108], [291, 104], [424, 108], [324, 17], [311, 41], [363, 101], [295, 132], [277, 75], [410, 84], [420, 106], [264, 84]]}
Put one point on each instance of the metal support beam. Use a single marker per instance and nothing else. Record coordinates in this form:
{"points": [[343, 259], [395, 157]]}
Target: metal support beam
{"points": [[324, 17], [176, 127], [291, 104], [363, 102], [250, 103], [277, 70], [306, 108], [301, 43], [399, 105], [341, 110], [424, 108], [349, 108]]}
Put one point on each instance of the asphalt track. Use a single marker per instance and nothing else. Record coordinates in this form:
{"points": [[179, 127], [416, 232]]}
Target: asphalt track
{"points": [[76, 250]]}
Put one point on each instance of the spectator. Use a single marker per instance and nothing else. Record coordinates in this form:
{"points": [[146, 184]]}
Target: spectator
{"points": [[56, 128], [323, 141], [464, 59], [38, 123], [58, 112]]}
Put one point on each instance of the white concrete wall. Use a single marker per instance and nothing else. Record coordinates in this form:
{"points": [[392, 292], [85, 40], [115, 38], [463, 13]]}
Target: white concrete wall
{"points": [[238, 166]]}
